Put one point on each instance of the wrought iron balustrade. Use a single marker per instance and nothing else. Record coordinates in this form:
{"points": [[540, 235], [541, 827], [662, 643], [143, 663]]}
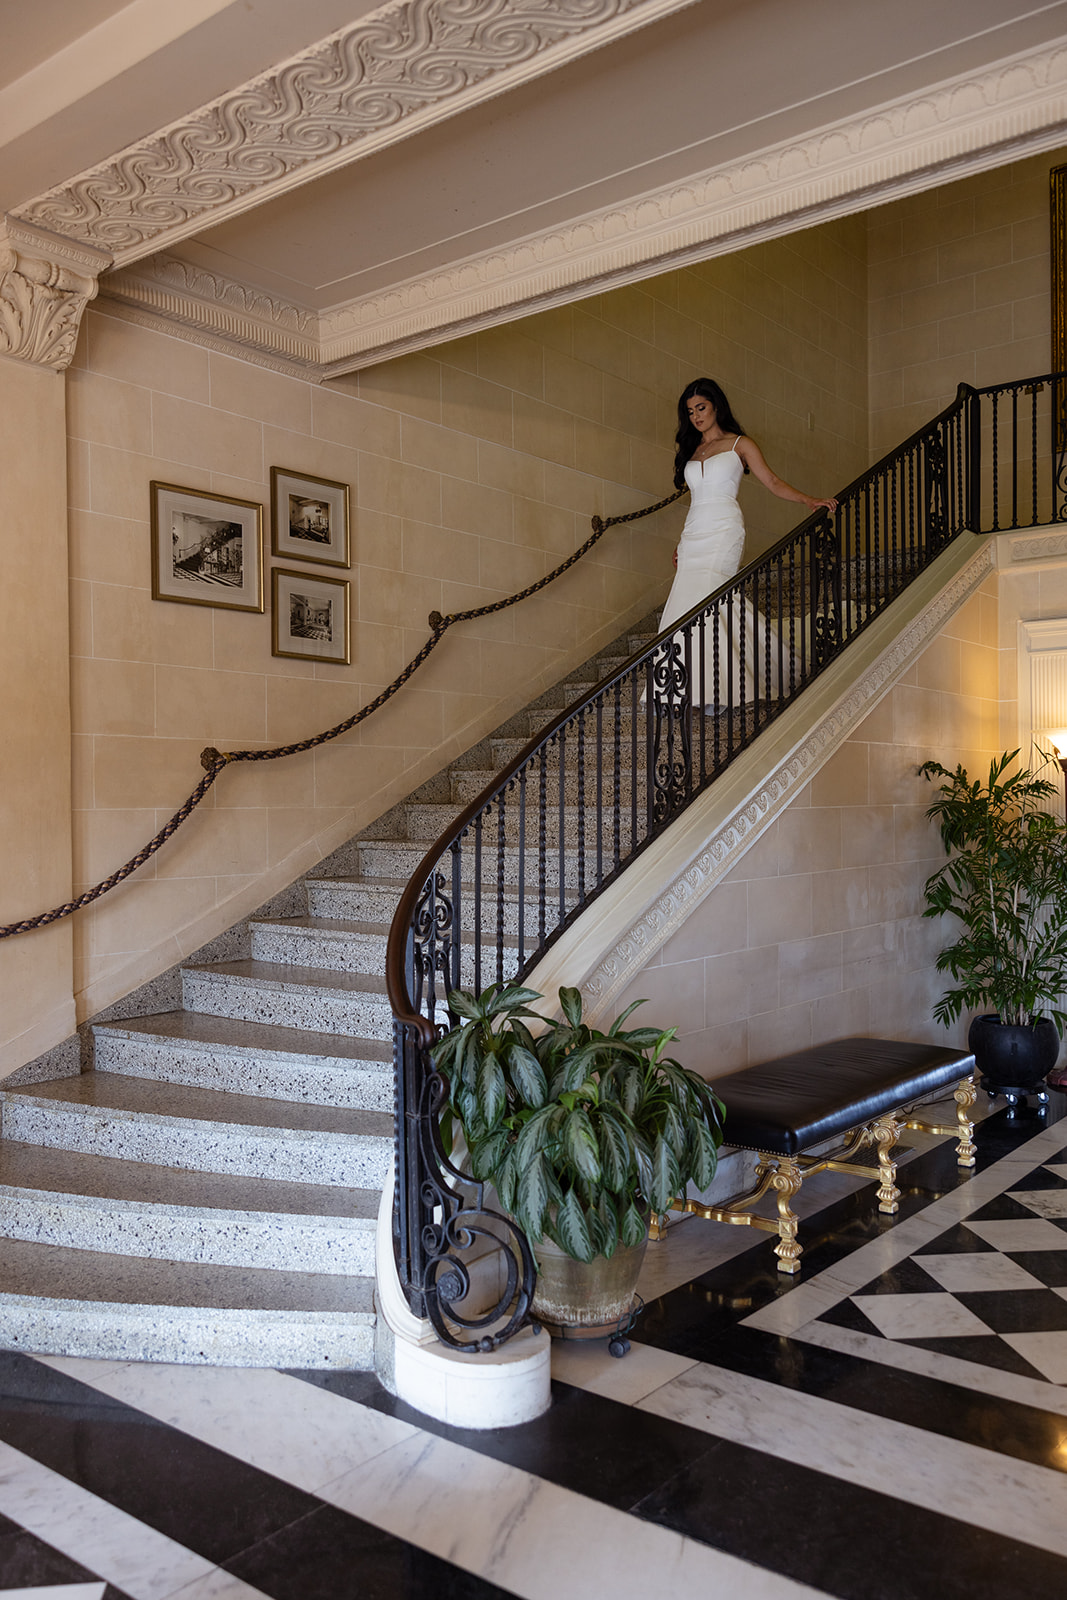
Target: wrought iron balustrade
{"points": [[579, 804]]}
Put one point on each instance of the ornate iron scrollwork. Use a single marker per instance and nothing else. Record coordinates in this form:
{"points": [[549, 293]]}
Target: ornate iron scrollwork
{"points": [[460, 1249], [672, 738], [431, 944], [826, 622], [937, 510]]}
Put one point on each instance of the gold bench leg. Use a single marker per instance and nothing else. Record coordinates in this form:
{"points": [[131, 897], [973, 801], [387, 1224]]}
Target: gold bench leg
{"points": [[885, 1132], [785, 1181], [965, 1097]]}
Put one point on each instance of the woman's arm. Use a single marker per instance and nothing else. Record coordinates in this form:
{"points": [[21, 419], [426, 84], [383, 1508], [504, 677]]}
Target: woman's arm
{"points": [[752, 456]]}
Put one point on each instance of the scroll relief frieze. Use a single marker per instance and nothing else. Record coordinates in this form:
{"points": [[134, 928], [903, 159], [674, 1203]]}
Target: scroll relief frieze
{"points": [[350, 93], [45, 285]]}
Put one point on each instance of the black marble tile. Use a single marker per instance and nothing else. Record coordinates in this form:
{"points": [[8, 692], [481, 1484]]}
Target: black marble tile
{"points": [[28, 1562], [329, 1555], [957, 1240], [1017, 1310], [1048, 1266], [983, 1350], [584, 1442], [1003, 1208], [845, 1540], [197, 1495], [846, 1315], [906, 1277]]}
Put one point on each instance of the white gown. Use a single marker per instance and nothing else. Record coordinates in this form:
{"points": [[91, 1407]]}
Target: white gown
{"points": [[709, 554]]}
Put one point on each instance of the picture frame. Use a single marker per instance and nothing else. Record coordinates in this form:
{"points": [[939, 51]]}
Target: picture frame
{"points": [[309, 518], [207, 549], [310, 616]]}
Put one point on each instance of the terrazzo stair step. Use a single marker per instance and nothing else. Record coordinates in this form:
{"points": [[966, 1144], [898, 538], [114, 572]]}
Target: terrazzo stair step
{"points": [[107, 1114], [354, 899], [297, 935], [467, 786], [345, 895], [352, 1003], [56, 1301], [118, 1207], [387, 857], [429, 822], [251, 1058]]}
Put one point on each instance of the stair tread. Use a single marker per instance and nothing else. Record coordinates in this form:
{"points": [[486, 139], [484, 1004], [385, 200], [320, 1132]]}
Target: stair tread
{"points": [[48, 1271], [282, 974], [74, 1174], [258, 1038], [113, 1091]]}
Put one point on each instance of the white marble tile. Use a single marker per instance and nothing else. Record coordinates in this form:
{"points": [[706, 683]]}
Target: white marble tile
{"points": [[587, 1364], [57, 1591], [918, 1468], [1044, 1203], [1058, 1169], [282, 1425], [1045, 1351], [1013, 1386], [1021, 1234], [135, 1558], [985, 1269], [538, 1540], [919, 1316]]}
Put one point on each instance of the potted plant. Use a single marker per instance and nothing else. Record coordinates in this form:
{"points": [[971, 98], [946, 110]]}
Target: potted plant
{"points": [[1006, 883], [583, 1134]]}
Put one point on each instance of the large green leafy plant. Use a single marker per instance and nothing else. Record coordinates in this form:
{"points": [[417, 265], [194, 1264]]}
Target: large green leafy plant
{"points": [[1006, 882], [581, 1133]]}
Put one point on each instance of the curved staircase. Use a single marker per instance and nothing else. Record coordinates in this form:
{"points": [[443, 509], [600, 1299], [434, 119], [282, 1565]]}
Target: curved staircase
{"points": [[208, 1192]]}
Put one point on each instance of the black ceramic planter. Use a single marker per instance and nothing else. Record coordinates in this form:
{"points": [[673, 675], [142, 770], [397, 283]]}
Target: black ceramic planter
{"points": [[1013, 1058]]}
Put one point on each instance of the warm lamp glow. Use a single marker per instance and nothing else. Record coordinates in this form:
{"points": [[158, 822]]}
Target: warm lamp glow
{"points": [[1056, 737]]}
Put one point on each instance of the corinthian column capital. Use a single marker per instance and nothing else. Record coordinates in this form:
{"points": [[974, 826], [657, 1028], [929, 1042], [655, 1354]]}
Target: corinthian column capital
{"points": [[46, 282]]}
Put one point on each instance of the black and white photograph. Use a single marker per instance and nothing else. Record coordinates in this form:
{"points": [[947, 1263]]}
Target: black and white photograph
{"points": [[310, 614], [309, 518], [207, 549]]}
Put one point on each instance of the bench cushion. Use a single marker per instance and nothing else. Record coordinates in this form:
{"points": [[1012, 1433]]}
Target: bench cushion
{"points": [[784, 1106]]}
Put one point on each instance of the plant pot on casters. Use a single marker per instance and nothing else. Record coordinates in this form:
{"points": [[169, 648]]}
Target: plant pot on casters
{"points": [[1006, 884], [583, 1135]]}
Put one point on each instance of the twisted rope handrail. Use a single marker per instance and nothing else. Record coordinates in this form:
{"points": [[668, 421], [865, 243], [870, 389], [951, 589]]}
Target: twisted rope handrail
{"points": [[214, 761]]}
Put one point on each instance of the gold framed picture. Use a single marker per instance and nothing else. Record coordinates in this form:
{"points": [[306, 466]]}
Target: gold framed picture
{"points": [[310, 616], [207, 549], [309, 518]]}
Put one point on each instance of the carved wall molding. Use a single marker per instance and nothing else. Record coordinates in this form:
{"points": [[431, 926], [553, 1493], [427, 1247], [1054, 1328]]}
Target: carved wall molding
{"points": [[366, 86], [45, 284], [1038, 547], [733, 837], [965, 125]]}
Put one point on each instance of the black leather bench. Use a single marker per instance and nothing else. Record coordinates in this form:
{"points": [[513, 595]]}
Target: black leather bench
{"points": [[864, 1089]]}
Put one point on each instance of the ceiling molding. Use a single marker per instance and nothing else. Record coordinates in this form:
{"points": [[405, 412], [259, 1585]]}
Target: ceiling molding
{"points": [[377, 81], [965, 125]]}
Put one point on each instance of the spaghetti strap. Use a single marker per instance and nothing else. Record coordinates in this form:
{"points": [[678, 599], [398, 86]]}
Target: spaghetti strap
{"points": [[735, 444]]}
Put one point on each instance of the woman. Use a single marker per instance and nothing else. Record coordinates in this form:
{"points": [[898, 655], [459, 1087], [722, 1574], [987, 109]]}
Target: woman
{"points": [[712, 457]]}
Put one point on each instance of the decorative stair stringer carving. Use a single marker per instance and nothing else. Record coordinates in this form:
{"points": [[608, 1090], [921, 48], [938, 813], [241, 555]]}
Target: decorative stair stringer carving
{"points": [[604, 949]]}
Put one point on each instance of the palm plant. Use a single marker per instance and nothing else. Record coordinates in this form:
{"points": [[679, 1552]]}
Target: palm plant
{"points": [[1006, 882], [582, 1133]]}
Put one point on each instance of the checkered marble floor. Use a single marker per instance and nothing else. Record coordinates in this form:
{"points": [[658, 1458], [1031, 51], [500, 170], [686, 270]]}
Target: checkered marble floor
{"points": [[990, 1290]]}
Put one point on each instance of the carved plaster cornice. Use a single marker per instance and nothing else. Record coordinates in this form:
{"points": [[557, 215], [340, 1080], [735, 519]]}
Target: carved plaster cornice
{"points": [[376, 81], [45, 284], [739, 831], [964, 125]]}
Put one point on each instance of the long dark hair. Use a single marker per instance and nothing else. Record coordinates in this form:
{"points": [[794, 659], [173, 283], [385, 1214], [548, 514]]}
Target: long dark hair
{"points": [[687, 438]]}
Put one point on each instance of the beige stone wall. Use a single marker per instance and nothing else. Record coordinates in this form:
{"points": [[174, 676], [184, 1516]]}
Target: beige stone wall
{"points": [[36, 1004], [474, 469], [817, 933], [785, 333], [959, 292]]}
